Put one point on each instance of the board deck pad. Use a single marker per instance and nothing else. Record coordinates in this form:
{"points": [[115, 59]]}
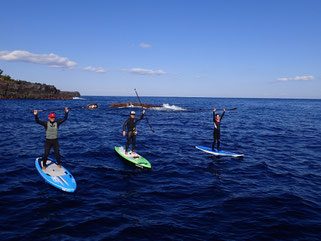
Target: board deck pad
{"points": [[136, 159], [218, 152], [52, 169], [55, 176]]}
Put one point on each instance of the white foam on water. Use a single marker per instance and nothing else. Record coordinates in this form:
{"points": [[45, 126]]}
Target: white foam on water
{"points": [[78, 98], [163, 107], [169, 107]]}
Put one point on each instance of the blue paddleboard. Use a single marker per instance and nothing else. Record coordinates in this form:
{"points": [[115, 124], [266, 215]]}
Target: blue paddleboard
{"points": [[55, 176], [218, 152]]}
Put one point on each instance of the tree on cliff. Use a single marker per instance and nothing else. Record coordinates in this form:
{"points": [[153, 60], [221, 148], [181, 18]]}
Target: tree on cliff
{"points": [[5, 77]]}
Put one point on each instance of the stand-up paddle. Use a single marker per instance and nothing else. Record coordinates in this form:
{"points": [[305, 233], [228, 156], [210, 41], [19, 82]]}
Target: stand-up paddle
{"points": [[150, 126], [92, 106]]}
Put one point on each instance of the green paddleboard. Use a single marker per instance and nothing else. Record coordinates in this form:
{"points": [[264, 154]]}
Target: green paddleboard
{"points": [[136, 159]]}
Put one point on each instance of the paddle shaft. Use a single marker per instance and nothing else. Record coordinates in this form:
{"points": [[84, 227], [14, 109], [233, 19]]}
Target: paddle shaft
{"points": [[69, 108], [150, 126], [221, 109], [62, 109]]}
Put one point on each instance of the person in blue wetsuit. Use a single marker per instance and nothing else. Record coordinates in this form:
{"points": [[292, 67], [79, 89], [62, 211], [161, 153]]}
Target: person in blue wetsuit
{"points": [[51, 127], [130, 123], [217, 129]]}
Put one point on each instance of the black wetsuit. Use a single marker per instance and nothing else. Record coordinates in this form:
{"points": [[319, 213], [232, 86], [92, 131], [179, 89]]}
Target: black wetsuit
{"points": [[51, 142], [131, 128], [217, 131]]}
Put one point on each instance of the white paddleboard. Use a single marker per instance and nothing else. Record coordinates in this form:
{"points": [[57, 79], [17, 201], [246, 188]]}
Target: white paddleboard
{"points": [[218, 152]]}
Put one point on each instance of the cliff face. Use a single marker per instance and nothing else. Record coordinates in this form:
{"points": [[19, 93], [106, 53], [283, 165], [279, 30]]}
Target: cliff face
{"points": [[12, 89]]}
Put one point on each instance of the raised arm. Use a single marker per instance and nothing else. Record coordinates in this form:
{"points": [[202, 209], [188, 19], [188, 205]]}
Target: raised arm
{"points": [[59, 122], [141, 117], [222, 114], [214, 115], [43, 123]]}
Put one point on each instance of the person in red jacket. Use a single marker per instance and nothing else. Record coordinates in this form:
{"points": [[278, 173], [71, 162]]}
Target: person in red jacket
{"points": [[51, 127]]}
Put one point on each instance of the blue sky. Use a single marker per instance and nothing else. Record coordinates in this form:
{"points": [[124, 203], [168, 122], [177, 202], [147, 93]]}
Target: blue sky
{"points": [[229, 48]]}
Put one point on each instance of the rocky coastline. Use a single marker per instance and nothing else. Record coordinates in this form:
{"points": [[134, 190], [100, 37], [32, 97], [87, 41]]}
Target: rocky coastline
{"points": [[19, 89]]}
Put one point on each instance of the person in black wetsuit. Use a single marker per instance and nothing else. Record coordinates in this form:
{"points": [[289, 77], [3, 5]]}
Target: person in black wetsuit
{"points": [[217, 129], [130, 123], [51, 127]]}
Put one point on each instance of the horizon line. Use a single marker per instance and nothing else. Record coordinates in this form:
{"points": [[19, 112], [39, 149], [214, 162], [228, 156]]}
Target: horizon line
{"points": [[290, 98]]}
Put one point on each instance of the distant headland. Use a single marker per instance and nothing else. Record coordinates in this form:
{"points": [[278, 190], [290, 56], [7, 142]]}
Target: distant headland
{"points": [[19, 89]]}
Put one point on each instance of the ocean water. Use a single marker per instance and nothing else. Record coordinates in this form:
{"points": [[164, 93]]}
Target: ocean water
{"points": [[273, 193]]}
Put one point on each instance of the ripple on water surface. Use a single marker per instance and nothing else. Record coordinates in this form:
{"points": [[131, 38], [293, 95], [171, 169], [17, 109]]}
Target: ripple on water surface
{"points": [[271, 193]]}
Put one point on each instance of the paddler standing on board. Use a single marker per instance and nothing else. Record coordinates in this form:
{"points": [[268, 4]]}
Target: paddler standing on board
{"points": [[217, 129], [51, 127], [130, 123]]}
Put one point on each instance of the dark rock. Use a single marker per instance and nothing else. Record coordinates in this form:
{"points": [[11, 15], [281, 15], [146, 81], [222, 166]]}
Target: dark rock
{"points": [[18, 89]]}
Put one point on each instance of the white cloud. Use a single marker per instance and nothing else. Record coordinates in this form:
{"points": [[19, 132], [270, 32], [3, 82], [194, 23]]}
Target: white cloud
{"points": [[52, 60], [146, 71], [298, 78], [145, 46], [97, 70]]}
